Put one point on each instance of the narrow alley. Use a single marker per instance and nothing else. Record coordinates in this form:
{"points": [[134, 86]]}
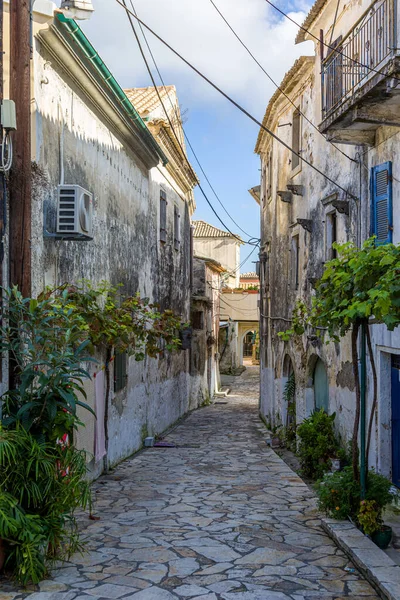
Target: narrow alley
{"points": [[218, 516]]}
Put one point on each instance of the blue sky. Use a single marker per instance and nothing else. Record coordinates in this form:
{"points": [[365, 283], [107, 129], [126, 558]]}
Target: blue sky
{"points": [[222, 137]]}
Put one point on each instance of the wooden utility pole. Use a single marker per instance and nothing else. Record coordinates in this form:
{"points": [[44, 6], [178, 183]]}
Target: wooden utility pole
{"points": [[21, 172], [3, 208]]}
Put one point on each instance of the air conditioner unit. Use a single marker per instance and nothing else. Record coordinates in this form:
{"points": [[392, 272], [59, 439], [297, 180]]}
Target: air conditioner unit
{"points": [[75, 212]]}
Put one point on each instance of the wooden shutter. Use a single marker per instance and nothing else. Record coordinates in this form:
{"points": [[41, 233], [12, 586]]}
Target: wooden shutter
{"points": [[163, 216], [177, 228], [296, 133], [120, 371], [381, 203]]}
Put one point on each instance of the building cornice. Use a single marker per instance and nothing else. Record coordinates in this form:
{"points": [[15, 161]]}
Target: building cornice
{"points": [[300, 70], [71, 50]]}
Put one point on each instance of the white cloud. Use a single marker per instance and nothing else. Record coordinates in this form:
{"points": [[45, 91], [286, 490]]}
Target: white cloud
{"points": [[194, 28]]}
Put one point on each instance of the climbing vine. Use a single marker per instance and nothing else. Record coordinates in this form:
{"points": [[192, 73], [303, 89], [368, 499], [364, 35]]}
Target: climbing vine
{"points": [[110, 319], [359, 284]]}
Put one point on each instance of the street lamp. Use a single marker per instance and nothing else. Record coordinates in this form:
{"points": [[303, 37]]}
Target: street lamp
{"points": [[77, 9]]}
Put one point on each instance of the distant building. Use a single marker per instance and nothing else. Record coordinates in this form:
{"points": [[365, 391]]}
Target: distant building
{"points": [[222, 247], [249, 281], [205, 319]]}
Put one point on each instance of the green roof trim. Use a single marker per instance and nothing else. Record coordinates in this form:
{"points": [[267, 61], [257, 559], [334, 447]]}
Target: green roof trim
{"points": [[76, 32]]}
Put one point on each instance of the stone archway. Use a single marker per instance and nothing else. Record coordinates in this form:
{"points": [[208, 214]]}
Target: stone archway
{"points": [[247, 345]]}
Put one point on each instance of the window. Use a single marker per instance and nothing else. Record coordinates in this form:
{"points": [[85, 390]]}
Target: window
{"points": [[295, 262], [331, 235], [120, 371], [381, 203], [163, 216], [296, 138], [198, 319], [177, 228]]}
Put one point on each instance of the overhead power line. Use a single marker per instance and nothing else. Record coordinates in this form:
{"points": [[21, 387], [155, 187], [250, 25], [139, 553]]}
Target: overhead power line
{"points": [[274, 82], [239, 107], [332, 48], [183, 129], [131, 14], [234, 271]]}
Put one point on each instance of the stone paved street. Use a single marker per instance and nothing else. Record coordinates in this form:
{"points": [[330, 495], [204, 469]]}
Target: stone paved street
{"points": [[219, 517]]}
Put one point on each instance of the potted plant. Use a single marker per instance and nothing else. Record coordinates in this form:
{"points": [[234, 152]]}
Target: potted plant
{"points": [[371, 522]]}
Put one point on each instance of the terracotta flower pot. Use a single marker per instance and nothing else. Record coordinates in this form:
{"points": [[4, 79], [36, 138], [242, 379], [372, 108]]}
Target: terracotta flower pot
{"points": [[382, 537]]}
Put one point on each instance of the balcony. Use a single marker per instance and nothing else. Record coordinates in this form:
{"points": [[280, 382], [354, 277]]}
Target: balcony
{"points": [[361, 78]]}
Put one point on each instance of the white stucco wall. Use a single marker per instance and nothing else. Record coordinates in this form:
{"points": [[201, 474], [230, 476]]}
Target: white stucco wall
{"points": [[224, 250]]}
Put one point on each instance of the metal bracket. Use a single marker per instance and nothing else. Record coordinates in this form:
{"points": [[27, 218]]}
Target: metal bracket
{"points": [[297, 190], [342, 206], [285, 196], [306, 224]]}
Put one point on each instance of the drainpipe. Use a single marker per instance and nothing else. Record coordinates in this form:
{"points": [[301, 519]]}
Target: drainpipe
{"points": [[363, 390]]}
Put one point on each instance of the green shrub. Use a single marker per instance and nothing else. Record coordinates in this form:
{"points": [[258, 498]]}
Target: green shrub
{"points": [[317, 444], [42, 485], [339, 494]]}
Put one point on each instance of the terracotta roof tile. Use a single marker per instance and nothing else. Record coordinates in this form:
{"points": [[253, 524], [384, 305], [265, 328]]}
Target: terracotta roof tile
{"points": [[203, 229], [289, 81], [145, 100]]}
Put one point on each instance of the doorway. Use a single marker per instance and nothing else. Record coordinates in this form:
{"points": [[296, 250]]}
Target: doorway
{"points": [[395, 393], [248, 344], [321, 386]]}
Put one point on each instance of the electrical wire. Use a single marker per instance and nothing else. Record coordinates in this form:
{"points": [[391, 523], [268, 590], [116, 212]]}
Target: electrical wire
{"points": [[240, 108], [242, 263], [184, 132], [6, 158], [130, 14], [276, 84], [332, 48]]}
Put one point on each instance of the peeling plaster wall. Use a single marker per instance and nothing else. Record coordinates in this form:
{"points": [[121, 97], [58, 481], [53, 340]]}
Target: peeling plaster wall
{"points": [[280, 230], [279, 225], [204, 360], [126, 247]]}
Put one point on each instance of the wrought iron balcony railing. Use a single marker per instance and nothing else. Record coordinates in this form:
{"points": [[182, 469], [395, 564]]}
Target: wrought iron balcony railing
{"points": [[356, 59]]}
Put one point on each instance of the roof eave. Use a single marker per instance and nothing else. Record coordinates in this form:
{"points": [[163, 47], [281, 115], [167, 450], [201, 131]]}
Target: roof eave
{"points": [[74, 54], [299, 70]]}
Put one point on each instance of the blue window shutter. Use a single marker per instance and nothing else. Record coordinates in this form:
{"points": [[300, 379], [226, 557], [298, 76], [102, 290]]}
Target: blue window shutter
{"points": [[381, 205]]}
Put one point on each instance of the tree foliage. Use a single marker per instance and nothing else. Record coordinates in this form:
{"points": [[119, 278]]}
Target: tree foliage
{"points": [[360, 283]]}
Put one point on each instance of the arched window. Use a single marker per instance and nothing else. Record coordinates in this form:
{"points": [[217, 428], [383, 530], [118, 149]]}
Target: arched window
{"points": [[321, 386]]}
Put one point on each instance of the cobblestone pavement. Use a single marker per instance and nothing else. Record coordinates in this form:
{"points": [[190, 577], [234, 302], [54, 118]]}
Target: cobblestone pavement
{"points": [[219, 517]]}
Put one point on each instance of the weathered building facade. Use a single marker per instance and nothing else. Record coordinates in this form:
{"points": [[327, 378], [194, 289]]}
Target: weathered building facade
{"points": [[87, 133], [240, 317], [205, 320], [222, 247], [238, 308], [303, 213]]}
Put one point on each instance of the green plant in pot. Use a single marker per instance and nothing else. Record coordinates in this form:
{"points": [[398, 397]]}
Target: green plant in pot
{"points": [[317, 443], [371, 522], [42, 474], [42, 485]]}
